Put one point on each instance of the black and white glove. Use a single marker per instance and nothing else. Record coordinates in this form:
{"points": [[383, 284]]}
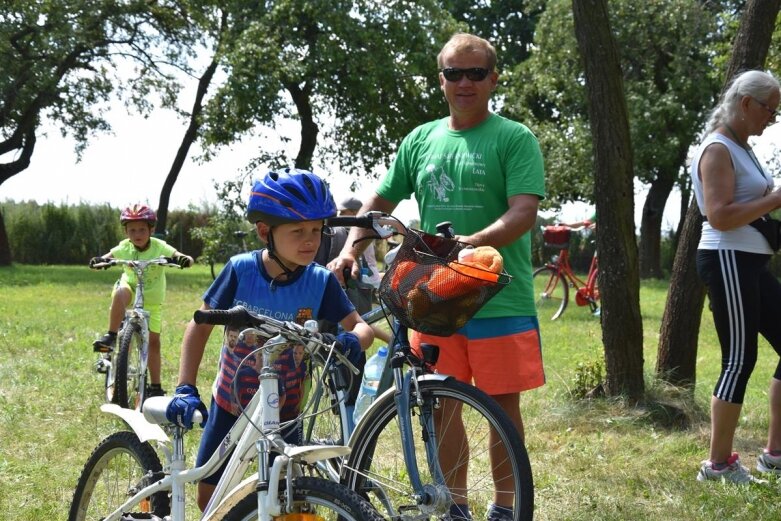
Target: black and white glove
{"points": [[184, 261], [98, 260]]}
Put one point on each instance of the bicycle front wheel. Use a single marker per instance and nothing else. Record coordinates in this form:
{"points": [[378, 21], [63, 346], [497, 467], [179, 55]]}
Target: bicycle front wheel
{"points": [[325, 420], [456, 428], [129, 378], [551, 293], [115, 471], [314, 499]]}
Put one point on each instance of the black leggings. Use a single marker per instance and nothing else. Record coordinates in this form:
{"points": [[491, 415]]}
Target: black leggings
{"points": [[745, 299]]}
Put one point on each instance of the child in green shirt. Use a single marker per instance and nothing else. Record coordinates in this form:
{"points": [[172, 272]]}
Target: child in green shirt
{"points": [[139, 221]]}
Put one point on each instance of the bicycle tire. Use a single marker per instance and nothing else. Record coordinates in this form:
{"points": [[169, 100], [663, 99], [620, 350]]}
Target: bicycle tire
{"points": [[129, 383], [551, 292], [384, 480], [315, 497], [114, 471]]}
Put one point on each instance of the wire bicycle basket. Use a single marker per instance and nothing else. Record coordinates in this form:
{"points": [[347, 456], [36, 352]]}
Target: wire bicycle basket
{"points": [[556, 237], [429, 291]]}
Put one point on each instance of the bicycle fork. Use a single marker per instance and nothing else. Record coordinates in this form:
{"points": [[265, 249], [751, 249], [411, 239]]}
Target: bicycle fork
{"points": [[430, 497]]}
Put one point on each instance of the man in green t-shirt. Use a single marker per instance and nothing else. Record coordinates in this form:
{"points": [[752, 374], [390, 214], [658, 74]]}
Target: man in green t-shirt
{"points": [[483, 173]]}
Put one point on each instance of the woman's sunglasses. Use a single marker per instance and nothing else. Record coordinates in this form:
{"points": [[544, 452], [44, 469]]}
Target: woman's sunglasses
{"points": [[472, 74]]}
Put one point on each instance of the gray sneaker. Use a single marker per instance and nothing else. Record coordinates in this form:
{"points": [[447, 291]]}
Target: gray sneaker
{"points": [[734, 472], [767, 462], [496, 513]]}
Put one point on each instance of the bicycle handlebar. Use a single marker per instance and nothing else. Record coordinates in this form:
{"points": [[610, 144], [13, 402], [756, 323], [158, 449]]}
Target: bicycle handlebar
{"points": [[160, 261], [378, 221], [241, 317]]}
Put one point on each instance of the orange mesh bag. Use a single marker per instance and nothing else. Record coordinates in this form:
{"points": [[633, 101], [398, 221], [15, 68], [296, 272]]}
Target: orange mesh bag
{"points": [[427, 289]]}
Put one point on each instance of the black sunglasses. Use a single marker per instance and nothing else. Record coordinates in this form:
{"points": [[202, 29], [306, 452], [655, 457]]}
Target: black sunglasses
{"points": [[472, 74]]}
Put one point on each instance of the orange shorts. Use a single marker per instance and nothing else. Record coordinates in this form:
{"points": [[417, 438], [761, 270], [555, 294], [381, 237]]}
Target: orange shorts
{"points": [[497, 355]]}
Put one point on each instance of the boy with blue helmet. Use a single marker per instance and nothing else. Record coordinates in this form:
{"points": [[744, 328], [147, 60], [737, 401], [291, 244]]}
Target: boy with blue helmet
{"points": [[281, 281]]}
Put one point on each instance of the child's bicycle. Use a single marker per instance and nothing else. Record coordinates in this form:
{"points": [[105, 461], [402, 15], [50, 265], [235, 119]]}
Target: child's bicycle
{"points": [[124, 480], [126, 366], [405, 467], [553, 281]]}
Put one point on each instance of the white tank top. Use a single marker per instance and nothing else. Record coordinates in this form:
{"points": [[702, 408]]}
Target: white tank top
{"points": [[751, 182]]}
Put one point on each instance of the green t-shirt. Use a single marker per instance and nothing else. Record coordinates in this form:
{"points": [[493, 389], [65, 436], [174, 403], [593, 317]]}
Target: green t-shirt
{"points": [[466, 177], [154, 279]]}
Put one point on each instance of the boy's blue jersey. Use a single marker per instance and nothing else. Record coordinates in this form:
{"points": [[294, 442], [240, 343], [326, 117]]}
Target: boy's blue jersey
{"points": [[314, 293]]}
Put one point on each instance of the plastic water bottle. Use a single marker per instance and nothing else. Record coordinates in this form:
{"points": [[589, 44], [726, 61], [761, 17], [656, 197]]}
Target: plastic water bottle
{"points": [[370, 382]]}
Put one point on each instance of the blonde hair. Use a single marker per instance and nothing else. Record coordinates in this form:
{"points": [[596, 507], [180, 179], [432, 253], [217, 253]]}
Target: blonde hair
{"points": [[754, 83], [465, 42]]}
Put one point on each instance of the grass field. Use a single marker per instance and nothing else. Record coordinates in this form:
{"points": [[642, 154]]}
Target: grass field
{"points": [[592, 460]]}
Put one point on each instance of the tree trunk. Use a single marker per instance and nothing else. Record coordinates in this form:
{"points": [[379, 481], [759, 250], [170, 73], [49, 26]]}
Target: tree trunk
{"points": [[684, 185], [677, 354], [190, 135], [309, 128], [619, 282], [8, 170], [678, 334], [651, 226], [5, 245]]}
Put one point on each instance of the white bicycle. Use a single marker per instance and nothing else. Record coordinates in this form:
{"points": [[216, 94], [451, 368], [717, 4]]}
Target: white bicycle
{"points": [[124, 480], [126, 368]]}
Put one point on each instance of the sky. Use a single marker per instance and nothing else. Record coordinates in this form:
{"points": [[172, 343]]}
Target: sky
{"points": [[130, 166]]}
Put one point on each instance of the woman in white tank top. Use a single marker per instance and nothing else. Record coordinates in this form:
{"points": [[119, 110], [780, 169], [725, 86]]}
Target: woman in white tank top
{"points": [[732, 190]]}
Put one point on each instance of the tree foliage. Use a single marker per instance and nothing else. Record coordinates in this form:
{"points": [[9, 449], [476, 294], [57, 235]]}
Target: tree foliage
{"points": [[60, 61], [217, 234], [363, 70], [508, 25], [668, 80]]}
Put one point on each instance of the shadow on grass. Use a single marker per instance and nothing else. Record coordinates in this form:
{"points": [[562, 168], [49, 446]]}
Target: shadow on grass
{"points": [[664, 406]]}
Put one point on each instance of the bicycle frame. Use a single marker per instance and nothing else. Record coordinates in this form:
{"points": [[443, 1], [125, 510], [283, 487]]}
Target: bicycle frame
{"points": [[134, 316], [239, 443], [562, 266]]}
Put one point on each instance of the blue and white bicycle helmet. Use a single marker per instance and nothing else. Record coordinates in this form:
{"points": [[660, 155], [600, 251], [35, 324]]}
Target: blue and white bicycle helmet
{"points": [[290, 195]]}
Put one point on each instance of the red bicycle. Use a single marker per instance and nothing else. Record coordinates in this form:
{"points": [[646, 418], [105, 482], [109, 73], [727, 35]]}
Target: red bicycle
{"points": [[553, 281]]}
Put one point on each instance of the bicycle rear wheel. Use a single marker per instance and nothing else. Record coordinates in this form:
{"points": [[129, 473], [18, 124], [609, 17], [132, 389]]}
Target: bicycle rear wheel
{"points": [[456, 426], [551, 293], [114, 472], [314, 499], [129, 382]]}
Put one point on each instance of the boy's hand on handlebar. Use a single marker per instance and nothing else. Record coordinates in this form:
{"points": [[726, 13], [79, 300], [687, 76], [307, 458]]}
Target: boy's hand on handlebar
{"points": [[347, 343], [181, 409], [94, 261], [184, 261]]}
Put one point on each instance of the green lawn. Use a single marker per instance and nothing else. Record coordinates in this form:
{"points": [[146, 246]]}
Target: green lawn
{"points": [[592, 460]]}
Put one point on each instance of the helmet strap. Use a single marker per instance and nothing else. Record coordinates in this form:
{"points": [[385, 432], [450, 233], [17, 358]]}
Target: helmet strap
{"points": [[273, 256]]}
